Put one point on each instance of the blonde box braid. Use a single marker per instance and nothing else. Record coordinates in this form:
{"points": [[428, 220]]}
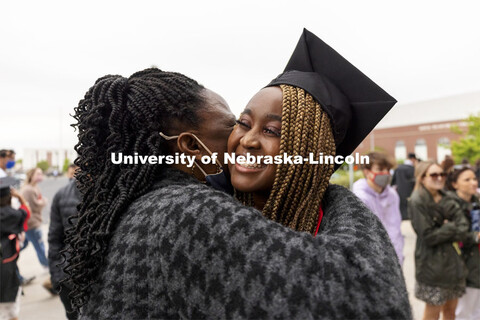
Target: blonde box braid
{"points": [[298, 190]]}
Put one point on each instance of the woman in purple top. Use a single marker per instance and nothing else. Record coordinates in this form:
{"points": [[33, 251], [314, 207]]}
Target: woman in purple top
{"points": [[377, 194]]}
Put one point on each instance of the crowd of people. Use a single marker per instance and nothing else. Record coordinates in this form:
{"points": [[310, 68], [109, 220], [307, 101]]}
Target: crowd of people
{"points": [[141, 241], [21, 220], [442, 203]]}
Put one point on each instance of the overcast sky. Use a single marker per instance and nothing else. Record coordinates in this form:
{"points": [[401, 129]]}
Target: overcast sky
{"points": [[51, 52]]}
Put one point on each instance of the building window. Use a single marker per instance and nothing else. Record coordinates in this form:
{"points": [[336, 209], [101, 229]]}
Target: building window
{"points": [[400, 150], [443, 149], [421, 150]]}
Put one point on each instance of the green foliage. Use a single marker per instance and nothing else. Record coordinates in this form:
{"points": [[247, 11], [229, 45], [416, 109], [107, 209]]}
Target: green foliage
{"points": [[469, 145], [66, 163], [43, 165], [341, 177]]}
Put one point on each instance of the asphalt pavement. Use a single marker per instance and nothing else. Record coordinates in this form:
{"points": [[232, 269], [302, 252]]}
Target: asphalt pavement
{"points": [[38, 304]]}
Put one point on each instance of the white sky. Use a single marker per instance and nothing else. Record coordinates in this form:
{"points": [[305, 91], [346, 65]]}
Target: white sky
{"points": [[51, 52]]}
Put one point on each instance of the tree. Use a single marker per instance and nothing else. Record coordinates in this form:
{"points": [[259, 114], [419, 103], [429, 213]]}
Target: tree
{"points": [[66, 163], [468, 146], [43, 165]]}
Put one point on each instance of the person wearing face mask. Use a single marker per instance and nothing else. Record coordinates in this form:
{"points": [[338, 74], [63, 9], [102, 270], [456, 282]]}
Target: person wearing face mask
{"points": [[462, 184], [7, 161], [440, 224], [381, 198]]}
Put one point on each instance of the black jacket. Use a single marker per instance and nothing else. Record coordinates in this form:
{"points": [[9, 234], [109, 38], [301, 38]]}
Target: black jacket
{"points": [[184, 250], [471, 250], [11, 222], [437, 261], [64, 205], [404, 179]]}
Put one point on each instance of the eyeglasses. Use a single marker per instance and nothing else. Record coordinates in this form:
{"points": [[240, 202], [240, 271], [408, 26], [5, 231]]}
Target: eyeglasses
{"points": [[437, 175]]}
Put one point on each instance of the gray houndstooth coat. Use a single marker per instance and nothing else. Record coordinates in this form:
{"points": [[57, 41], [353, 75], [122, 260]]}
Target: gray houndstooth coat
{"points": [[184, 250]]}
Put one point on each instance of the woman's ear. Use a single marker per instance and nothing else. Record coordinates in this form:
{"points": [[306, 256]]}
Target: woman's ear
{"points": [[187, 144]]}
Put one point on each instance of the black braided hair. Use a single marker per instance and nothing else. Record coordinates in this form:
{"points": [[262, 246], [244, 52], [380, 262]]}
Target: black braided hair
{"points": [[120, 115]]}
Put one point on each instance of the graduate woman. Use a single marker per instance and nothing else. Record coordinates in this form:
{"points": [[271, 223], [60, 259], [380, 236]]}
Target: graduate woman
{"points": [[321, 104]]}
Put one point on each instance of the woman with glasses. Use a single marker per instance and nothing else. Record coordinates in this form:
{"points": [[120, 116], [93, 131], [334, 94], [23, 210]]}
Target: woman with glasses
{"points": [[439, 224], [462, 183]]}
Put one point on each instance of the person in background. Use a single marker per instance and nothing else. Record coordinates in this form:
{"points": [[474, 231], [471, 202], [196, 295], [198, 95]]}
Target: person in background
{"points": [[381, 198], [439, 223], [7, 161], [64, 205], [465, 162], [463, 184], [447, 164], [403, 178], [37, 202], [71, 171], [12, 224]]}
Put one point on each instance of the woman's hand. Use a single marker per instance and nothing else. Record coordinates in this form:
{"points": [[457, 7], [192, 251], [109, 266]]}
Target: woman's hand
{"points": [[21, 237], [14, 193]]}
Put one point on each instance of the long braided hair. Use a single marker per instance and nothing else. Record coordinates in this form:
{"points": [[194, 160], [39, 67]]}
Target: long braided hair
{"points": [[120, 115], [298, 190]]}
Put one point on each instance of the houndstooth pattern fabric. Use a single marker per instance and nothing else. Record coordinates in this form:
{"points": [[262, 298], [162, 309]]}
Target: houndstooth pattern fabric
{"points": [[186, 251]]}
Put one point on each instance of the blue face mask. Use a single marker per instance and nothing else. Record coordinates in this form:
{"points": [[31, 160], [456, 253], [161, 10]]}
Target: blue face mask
{"points": [[10, 164], [220, 181]]}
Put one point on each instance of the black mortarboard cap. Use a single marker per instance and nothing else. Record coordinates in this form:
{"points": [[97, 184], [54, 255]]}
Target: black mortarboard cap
{"points": [[5, 184], [354, 103]]}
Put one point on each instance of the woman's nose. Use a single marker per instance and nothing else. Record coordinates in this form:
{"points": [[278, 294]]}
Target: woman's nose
{"points": [[250, 140]]}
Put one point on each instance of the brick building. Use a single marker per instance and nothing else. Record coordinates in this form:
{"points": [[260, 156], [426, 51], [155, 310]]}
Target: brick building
{"points": [[422, 127]]}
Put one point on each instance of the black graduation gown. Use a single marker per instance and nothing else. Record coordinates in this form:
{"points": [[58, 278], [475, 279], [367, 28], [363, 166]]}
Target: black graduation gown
{"points": [[11, 222]]}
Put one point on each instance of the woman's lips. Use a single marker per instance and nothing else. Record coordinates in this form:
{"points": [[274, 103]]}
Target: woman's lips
{"points": [[249, 168]]}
